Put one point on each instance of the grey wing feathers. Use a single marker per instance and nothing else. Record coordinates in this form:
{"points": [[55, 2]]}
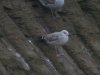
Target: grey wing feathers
{"points": [[45, 2], [52, 37]]}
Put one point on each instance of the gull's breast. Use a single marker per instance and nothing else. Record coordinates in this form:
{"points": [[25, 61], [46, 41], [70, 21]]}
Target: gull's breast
{"points": [[63, 40]]}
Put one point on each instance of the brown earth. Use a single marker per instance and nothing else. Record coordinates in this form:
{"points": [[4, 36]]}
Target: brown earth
{"points": [[25, 20]]}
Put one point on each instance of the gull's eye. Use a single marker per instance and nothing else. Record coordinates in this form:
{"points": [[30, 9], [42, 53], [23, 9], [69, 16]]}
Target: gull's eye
{"points": [[66, 33]]}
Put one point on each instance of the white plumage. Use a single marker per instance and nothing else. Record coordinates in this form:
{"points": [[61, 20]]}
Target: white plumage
{"points": [[52, 4], [57, 38]]}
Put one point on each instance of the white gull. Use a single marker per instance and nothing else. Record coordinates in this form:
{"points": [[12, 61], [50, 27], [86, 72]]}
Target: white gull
{"points": [[57, 39], [53, 5]]}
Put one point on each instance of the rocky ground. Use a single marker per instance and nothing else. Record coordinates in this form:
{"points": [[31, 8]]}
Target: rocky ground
{"points": [[23, 21]]}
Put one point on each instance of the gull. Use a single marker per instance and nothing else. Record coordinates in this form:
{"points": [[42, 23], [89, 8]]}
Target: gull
{"points": [[57, 38], [53, 5]]}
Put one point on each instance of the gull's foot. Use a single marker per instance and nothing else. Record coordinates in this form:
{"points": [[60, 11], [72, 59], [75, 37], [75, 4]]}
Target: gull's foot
{"points": [[60, 55], [56, 17]]}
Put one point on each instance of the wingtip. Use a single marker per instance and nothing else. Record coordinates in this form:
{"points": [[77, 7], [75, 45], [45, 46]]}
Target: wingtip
{"points": [[41, 39]]}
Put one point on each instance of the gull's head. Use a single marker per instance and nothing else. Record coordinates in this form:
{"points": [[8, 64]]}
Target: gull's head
{"points": [[65, 32]]}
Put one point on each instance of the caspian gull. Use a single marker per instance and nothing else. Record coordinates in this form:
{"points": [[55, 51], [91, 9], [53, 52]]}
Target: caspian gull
{"points": [[57, 38], [54, 5]]}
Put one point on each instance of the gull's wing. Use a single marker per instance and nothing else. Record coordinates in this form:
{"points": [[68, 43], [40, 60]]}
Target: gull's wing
{"points": [[53, 37], [46, 2]]}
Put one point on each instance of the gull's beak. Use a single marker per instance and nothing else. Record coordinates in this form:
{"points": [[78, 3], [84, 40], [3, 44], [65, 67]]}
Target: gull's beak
{"points": [[87, 33], [73, 34]]}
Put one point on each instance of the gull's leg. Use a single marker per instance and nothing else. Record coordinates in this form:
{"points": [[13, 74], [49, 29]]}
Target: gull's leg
{"points": [[52, 13], [59, 51], [59, 10], [56, 14]]}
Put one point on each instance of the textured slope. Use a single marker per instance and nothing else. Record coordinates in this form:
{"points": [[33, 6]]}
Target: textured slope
{"points": [[23, 21]]}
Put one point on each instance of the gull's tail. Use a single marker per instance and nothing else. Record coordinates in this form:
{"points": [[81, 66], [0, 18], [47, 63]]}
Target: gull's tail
{"points": [[43, 2], [42, 39]]}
